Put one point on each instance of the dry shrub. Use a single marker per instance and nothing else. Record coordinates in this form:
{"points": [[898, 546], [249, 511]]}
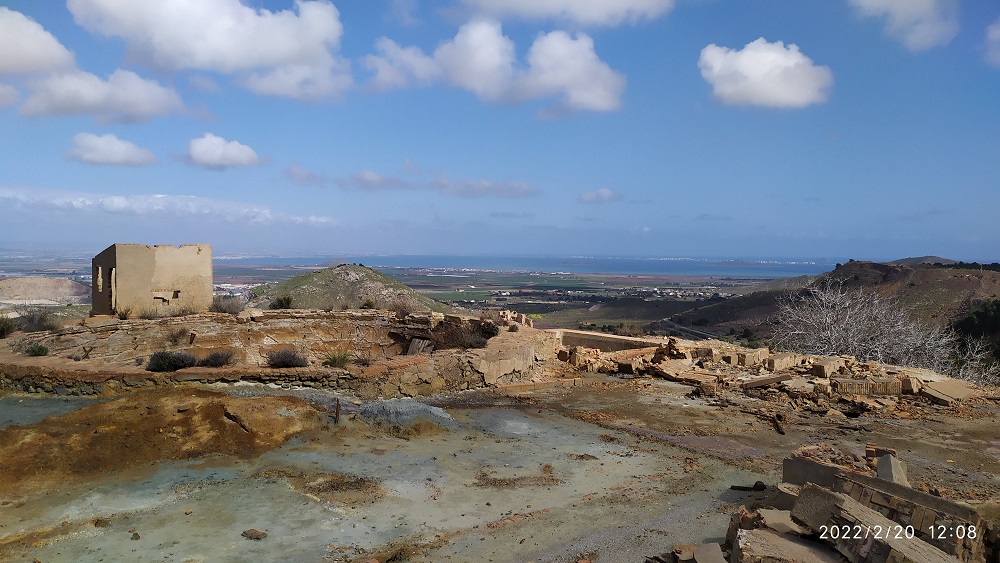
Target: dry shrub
{"points": [[170, 361], [217, 359], [232, 304], [458, 336], [286, 358], [36, 319]]}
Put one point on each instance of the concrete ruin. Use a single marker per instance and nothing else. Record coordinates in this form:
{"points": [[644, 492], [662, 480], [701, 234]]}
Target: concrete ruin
{"points": [[160, 280]]}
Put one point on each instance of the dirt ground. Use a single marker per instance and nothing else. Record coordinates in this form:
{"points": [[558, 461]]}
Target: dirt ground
{"points": [[609, 470]]}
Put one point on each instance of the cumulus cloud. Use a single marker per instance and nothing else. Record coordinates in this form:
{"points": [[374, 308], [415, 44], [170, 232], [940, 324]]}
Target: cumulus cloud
{"points": [[765, 74], [584, 12], [26, 47], [108, 149], [8, 95], [150, 205], [600, 195], [993, 44], [482, 60], [212, 151], [124, 96], [919, 24], [287, 53]]}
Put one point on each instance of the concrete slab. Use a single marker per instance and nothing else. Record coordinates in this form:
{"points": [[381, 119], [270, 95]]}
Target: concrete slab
{"points": [[766, 546]]}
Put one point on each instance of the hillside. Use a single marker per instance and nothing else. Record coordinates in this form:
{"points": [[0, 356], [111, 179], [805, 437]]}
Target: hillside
{"points": [[59, 290], [936, 294], [347, 286]]}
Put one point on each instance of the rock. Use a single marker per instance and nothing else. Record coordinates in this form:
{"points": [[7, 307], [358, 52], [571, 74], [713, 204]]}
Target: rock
{"points": [[709, 553], [766, 546], [135, 536], [253, 534], [101, 522]]}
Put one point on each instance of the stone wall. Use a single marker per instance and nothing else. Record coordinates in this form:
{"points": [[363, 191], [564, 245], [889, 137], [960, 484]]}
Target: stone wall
{"points": [[112, 353]]}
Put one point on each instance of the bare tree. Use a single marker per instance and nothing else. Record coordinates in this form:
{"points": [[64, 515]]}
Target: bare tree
{"points": [[830, 319]]}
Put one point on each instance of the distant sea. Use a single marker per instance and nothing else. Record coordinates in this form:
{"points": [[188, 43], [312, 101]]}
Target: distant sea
{"points": [[709, 267]]}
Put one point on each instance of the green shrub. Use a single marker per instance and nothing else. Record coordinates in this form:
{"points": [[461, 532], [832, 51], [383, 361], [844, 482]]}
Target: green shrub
{"points": [[217, 359], [170, 361], [36, 349], [36, 319], [337, 360], [7, 326], [286, 358], [282, 302], [231, 304], [514, 328], [368, 304], [124, 313]]}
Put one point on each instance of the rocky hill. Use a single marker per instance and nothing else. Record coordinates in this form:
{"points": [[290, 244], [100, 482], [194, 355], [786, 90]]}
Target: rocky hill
{"points": [[936, 294], [347, 286]]}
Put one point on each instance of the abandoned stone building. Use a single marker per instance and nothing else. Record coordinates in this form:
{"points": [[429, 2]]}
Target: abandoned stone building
{"points": [[138, 279]]}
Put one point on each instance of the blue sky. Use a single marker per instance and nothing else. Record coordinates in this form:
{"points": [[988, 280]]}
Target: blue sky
{"points": [[844, 128]]}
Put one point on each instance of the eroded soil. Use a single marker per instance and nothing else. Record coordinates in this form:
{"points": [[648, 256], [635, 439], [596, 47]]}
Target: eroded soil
{"points": [[609, 470]]}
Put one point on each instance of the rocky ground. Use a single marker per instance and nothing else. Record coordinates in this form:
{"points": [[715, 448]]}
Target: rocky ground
{"points": [[606, 469]]}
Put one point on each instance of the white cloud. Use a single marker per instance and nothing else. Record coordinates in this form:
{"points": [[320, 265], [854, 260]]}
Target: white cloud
{"points": [[108, 149], [559, 65], [585, 12], [373, 181], [8, 95], [919, 24], [483, 60], [396, 66], [124, 96], [301, 176], [25, 46], [600, 195], [212, 151], [993, 44], [284, 53], [765, 74], [43, 201]]}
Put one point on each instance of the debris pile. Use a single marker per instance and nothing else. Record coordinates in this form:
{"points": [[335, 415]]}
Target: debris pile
{"points": [[717, 366], [832, 506]]}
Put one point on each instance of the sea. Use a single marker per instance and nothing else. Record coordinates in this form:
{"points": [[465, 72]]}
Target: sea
{"points": [[707, 267]]}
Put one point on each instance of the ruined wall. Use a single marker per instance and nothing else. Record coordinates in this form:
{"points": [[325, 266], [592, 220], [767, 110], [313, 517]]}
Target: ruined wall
{"points": [[152, 280], [113, 352]]}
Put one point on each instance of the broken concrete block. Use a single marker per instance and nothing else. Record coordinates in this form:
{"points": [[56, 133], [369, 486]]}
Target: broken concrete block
{"points": [[787, 493], [709, 553], [871, 386], [766, 546], [752, 358], [784, 360], [891, 469], [947, 392], [802, 470], [780, 521], [829, 514], [826, 367], [910, 507], [742, 519], [911, 385], [765, 381]]}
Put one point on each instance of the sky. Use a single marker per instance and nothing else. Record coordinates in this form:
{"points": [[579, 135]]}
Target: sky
{"points": [[866, 129]]}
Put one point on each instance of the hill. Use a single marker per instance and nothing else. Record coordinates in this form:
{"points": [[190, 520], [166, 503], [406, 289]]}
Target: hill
{"points": [[937, 295], [59, 290], [923, 260], [347, 286]]}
